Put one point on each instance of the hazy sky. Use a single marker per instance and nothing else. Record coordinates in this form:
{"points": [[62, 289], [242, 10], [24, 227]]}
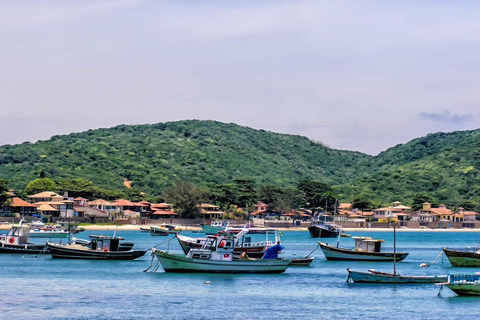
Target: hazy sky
{"points": [[355, 75]]}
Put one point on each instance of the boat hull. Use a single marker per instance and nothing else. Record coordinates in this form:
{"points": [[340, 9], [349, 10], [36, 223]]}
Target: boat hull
{"points": [[333, 253], [49, 235], [251, 251], [23, 249], [460, 258], [175, 263], [211, 230], [60, 252], [318, 232], [465, 289], [374, 277], [302, 262]]}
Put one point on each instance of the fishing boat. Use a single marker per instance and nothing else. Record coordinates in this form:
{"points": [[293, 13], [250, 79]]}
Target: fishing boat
{"points": [[214, 227], [217, 256], [101, 248], [463, 284], [366, 249], [16, 240], [373, 276], [163, 230], [124, 246], [243, 242], [467, 257], [323, 230]]}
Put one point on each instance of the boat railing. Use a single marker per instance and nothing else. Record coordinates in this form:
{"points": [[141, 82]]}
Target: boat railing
{"points": [[257, 244], [466, 249], [464, 278]]}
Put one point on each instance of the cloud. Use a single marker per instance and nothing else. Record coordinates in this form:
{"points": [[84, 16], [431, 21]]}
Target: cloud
{"points": [[446, 117]]}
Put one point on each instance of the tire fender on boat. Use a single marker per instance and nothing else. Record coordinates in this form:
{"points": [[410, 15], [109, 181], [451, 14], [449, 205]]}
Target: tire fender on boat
{"points": [[11, 240]]}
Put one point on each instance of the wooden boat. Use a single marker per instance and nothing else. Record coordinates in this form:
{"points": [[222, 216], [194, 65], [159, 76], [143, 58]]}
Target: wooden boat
{"points": [[163, 230], [124, 246], [145, 230], [101, 248], [301, 262], [320, 229], [463, 284], [366, 249], [216, 256], [17, 241], [467, 257], [243, 243], [214, 227], [373, 276]]}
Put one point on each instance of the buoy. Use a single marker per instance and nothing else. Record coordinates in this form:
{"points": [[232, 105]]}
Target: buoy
{"points": [[207, 282], [423, 265]]}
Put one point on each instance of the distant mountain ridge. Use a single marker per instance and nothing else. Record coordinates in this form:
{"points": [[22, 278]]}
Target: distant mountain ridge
{"points": [[445, 165]]}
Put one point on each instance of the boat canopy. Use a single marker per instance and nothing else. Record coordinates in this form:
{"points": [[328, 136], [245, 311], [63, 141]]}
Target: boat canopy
{"points": [[367, 244]]}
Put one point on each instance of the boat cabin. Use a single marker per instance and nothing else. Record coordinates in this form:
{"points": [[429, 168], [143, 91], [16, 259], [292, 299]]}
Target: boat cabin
{"points": [[215, 248], [105, 243], [367, 244], [17, 235]]}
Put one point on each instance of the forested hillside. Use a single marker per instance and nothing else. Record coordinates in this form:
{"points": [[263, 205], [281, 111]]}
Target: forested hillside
{"points": [[152, 156], [441, 167]]}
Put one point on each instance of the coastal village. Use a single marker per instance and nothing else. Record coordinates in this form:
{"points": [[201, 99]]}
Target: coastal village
{"points": [[52, 207]]}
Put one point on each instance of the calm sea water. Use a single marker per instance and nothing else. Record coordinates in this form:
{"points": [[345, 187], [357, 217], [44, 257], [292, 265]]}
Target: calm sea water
{"points": [[81, 289]]}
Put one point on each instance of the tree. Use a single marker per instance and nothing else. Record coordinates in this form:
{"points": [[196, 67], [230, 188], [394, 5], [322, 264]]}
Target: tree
{"points": [[420, 198], [362, 203], [76, 187], [3, 191], [39, 185], [316, 193], [185, 197]]}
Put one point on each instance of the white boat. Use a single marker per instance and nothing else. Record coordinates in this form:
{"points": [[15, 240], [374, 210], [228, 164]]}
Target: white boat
{"points": [[215, 227], [366, 249], [463, 284], [216, 256], [244, 242], [48, 233]]}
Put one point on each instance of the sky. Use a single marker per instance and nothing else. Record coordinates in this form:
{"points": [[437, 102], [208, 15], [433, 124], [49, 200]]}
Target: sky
{"points": [[354, 75]]}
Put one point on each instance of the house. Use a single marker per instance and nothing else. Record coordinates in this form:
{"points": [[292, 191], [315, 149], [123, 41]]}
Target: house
{"points": [[162, 211], [63, 209], [210, 211], [81, 201], [104, 205], [93, 214], [20, 207]]}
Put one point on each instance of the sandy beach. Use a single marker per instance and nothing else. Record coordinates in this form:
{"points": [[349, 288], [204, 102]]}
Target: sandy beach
{"points": [[193, 228]]}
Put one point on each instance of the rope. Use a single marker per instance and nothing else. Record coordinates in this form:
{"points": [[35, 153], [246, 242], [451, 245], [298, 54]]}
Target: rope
{"points": [[165, 241], [423, 265], [156, 265], [312, 251]]}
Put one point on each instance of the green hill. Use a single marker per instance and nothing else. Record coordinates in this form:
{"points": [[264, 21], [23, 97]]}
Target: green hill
{"points": [[151, 156], [443, 165]]}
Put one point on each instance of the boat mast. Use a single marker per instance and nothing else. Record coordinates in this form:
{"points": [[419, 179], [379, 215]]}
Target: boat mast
{"points": [[394, 250]]}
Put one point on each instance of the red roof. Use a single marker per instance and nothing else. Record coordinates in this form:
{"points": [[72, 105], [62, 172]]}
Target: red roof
{"points": [[17, 202], [255, 213], [123, 202]]}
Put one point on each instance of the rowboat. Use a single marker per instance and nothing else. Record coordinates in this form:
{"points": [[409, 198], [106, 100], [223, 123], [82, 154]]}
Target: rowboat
{"points": [[17, 241], [467, 257], [373, 276], [463, 284], [217, 256], [163, 230], [101, 248], [366, 249], [301, 262]]}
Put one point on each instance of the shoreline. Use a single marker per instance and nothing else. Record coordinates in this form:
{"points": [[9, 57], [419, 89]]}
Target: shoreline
{"points": [[193, 228]]}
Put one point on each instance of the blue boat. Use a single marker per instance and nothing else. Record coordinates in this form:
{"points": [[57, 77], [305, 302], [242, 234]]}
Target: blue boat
{"points": [[463, 284]]}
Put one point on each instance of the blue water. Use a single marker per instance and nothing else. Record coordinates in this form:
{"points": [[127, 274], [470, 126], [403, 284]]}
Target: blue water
{"points": [[81, 289]]}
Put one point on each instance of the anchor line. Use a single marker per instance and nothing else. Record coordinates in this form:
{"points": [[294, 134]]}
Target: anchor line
{"points": [[312, 251]]}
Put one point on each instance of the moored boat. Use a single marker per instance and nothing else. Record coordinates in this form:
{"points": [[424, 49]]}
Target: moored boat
{"points": [[17, 241], [101, 248], [464, 284], [301, 262], [366, 249], [164, 230], [217, 256], [373, 276], [214, 227], [319, 229], [243, 242], [124, 246], [466, 257]]}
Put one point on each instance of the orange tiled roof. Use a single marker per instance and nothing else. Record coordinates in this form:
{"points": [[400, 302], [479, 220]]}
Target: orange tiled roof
{"points": [[17, 202], [123, 202], [100, 202]]}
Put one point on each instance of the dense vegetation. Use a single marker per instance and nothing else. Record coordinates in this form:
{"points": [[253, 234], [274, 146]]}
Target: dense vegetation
{"points": [[238, 162]]}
